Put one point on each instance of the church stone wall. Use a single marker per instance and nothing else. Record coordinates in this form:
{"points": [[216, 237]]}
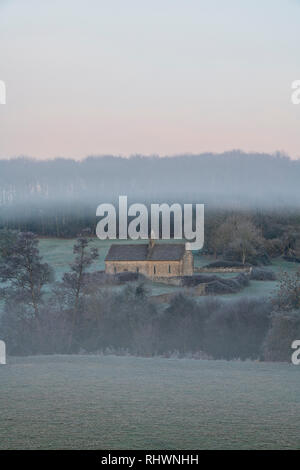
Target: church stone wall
{"points": [[188, 264], [150, 269]]}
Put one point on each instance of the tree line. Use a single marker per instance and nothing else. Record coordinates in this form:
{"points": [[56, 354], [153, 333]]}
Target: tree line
{"points": [[59, 197]]}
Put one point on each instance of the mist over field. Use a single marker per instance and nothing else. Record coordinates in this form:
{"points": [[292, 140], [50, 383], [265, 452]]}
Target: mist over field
{"points": [[233, 179]]}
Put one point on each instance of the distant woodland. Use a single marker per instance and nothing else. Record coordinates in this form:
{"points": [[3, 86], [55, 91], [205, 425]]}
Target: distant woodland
{"points": [[59, 197]]}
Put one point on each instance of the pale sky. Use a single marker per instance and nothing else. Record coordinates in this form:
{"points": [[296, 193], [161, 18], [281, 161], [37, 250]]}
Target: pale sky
{"points": [[153, 77]]}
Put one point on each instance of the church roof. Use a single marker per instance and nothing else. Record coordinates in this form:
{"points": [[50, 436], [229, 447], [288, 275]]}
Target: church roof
{"points": [[142, 252]]}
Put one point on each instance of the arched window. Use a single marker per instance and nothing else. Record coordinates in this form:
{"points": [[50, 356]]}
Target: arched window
{"points": [[169, 269], [137, 270], [115, 270], [154, 269]]}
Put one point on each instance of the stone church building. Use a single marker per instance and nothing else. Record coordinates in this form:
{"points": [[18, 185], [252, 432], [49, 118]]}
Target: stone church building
{"points": [[151, 259]]}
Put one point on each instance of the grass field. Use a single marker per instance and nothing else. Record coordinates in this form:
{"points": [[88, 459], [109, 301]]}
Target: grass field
{"points": [[109, 402], [59, 254]]}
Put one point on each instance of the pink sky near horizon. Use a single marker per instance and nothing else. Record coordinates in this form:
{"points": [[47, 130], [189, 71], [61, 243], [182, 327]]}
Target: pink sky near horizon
{"points": [[122, 78]]}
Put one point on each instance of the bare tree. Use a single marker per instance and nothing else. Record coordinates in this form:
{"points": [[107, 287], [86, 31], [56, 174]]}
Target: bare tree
{"points": [[73, 282], [239, 238], [23, 270]]}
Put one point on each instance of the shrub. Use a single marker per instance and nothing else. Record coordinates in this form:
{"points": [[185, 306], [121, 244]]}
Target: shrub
{"points": [[287, 297], [181, 326], [196, 279], [227, 286], [258, 274], [291, 259], [237, 329], [285, 328]]}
